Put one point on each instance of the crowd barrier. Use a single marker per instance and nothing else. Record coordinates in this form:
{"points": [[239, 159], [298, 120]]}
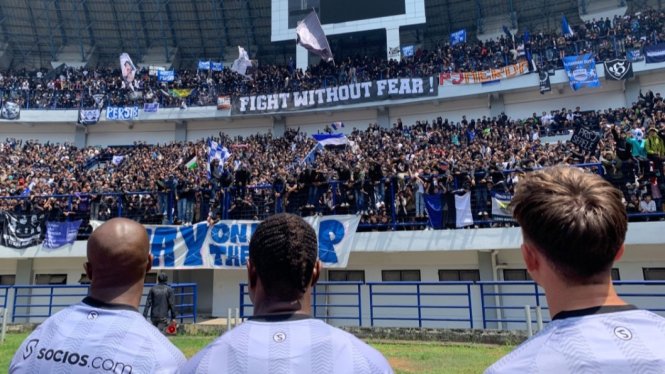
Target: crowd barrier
{"points": [[35, 303], [490, 305]]}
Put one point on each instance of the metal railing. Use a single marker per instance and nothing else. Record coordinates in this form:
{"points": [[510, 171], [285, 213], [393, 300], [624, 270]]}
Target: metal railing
{"points": [[4, 295], [429, 299], [31, 303]]}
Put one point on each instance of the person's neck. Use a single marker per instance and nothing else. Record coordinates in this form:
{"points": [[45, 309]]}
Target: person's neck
{"points": [[270, 306], [576, 297], [123, 296]]}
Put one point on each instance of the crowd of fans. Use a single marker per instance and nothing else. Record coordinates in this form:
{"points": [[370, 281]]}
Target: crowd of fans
{"points": [[91, 87], [383, 174]]}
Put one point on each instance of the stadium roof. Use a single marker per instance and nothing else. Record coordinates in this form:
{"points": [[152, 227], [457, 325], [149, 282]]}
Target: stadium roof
{"points": [[36, 31]]}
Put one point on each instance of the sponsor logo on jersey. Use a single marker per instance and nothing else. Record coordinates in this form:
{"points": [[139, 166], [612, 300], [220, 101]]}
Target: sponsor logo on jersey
{"points": [[77, 359], [30, 348]]}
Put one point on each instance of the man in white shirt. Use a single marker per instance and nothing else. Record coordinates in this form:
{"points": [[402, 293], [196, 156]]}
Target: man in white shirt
{"points": [[647, 205], [574, 226], [282, 337], [105, 332]]}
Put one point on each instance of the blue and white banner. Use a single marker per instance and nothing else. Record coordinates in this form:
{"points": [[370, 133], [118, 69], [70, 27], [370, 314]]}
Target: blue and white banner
{"points": [[581, 71], [151, 107], [204, 65], [89, 116], [655, 53], [408, 50], [565, 27], [331, 139], [60, 234], [225, 245], [116, 113], [458, 37], [218, 152], [217, 66], [634, 55], [165, 75], [501, 206]]}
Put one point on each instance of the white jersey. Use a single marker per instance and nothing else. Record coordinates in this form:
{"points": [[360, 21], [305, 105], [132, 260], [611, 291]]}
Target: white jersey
{"points": [[287, 344], [611, 339], [94, 337]]}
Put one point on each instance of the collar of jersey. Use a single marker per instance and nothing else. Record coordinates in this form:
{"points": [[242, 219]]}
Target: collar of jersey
{"points": [[91, 301], [280, 317], [593, 310]]}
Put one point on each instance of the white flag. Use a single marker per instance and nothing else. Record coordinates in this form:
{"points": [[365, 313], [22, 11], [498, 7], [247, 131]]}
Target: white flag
{"points": [[310, 35], [242, 63], [464, 217]]}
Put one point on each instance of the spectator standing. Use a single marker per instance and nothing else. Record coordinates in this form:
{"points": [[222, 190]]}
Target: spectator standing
{"points": [[160, 303]]}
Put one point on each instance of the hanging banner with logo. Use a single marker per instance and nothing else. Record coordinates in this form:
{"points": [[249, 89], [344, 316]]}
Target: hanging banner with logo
{"points": [[128, 113], [385, 89], [501, 207], [478, 77], [217, 66], [226, 243], [223, 103], [60, 234], [166, 75], [581, 71], [21, 230], [545, 85], [150, 107], [10, 110], [655, 53], [618, 70], [89, 116], [634, 55], [586, 139]]}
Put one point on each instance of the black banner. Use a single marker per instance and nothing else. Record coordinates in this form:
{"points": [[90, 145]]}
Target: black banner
{"points": [[545, 85], [10, 110], [586, 139], [21, 230], [89, 116], [655, 53], [386, 89], [617, 70]]}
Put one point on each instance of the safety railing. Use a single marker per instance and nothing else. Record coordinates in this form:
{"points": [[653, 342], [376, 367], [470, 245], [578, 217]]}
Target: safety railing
{"points": [[331, 301], [421, 302], [503, 302], [34, 303], [4, 295]]}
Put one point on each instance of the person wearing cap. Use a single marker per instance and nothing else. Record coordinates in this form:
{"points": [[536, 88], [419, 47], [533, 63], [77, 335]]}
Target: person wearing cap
{"points": [[160, 303], [573, 226]]}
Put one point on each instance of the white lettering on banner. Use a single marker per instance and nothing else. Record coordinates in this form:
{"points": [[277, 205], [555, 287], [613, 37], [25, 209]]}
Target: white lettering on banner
{"points": [[226, 243], [395, 88], [122, 113]]}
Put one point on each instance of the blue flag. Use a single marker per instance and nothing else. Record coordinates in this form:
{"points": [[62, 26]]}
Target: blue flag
{"points": [[581, 71], [217, 66], [59, 234], [458, 37], [565, 27], [507, 32], [204, 65], [434, 206], [165, 75]]}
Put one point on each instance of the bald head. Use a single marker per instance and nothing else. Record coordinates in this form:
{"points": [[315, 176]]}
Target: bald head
{"points": [[118, 254]]}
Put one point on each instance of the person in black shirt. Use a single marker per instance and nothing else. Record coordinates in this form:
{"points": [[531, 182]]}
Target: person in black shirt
{"points": [[160, 303]]}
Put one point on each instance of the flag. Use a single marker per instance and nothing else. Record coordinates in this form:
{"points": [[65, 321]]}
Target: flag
{"points": [[191, 164], [151, 107], [463, 215], [501, 207], [21, 230], [165, 75], [59, 234], [10, 110], [117, 160], [89, 116], [581, 71], [26, 191], [565, 27], [618, 69], [217, 66], [337, 125], [545, 85], [331, 139], [434, 207], [127, 68], [458, 37], [218, 152], [310, 35], [204, 65], [242, 63], [507, 32], [181, 92], [311, 155]]}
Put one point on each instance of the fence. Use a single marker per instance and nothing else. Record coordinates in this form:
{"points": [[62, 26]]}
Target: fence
{"points": [[502, 304], [34, 303]]}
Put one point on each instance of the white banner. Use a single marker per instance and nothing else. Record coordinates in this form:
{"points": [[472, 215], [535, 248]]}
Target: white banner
{"points": [[225, 245], [122, 113], [464, 216]]}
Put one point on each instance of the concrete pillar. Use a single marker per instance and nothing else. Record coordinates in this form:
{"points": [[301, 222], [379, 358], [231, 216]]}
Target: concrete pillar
{"points": [[486, 274], [631, 90], [278, 126], [497, 106], [81, 136], [24, 276], [383, 117], [181, 131], [302, 58], [393, 49]]}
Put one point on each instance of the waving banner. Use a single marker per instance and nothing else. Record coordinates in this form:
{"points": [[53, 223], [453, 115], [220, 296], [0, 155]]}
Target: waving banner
{"points": [[225, 245], [385, 89], [478, 77]]}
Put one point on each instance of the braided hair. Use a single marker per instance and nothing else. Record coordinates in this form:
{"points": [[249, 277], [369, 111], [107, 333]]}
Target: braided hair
{"points": [[284, 251]]}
